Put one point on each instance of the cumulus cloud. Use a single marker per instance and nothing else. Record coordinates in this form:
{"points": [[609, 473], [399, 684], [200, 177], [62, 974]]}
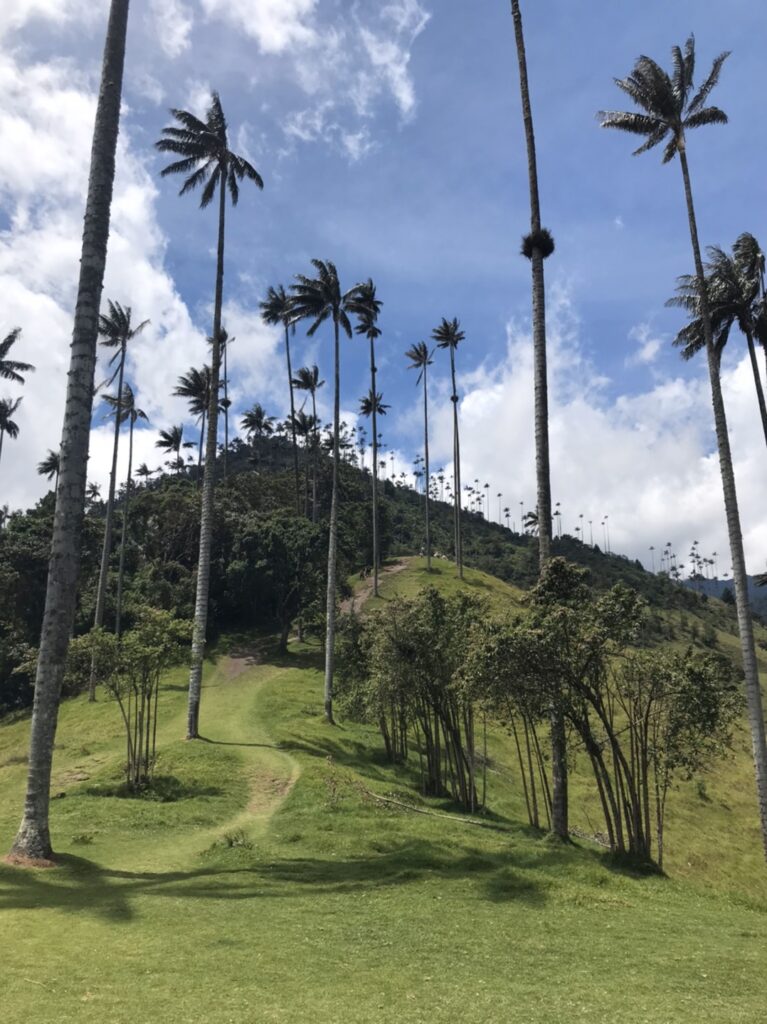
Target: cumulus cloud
{"points": [[274, 24], [646, 460], [648, 345], [172, 24]]}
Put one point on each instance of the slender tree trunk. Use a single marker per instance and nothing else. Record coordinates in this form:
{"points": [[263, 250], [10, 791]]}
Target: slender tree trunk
{"points": [[208, 482], [106, 549], [293, 421], [2, 435], [226, 404], [330, 634], [456, 471], [559, 807], [426, 468], [33, 837], [745, 622], [315, 454], [374, 421], [124, 538], [757, 382], [200, 448]]}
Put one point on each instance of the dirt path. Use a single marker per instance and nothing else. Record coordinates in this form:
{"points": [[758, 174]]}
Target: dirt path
{"points": [[364, 591]]}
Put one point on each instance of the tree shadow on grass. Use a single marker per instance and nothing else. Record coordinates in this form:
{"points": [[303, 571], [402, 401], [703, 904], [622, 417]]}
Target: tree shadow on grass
{"points": [[82, 886]]}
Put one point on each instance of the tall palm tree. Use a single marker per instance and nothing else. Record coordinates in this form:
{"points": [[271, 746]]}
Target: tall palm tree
{"points": [[11, 369], [537, 246], [50, 467], [320, 299], [33, 838], [306, 431], [448, 335], [307, 378], [372, 332], [115, 330], [8, 426], [733, 283], [277, 308], [172, 441], [145, 472], [372, 406], [125, 405], [256, 422], [420, 359], [669, 109], [207, 161], [195, 386]]}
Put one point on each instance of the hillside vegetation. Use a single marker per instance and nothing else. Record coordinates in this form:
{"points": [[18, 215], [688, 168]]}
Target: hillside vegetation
{"points": [[267, 872]]}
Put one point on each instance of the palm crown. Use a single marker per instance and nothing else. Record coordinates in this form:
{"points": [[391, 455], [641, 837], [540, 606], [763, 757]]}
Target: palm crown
{"points": [[373, 400], [420, 357], [50, 465], [195, 386], [448, 334], [125, 404], [733, 286], [171, 440], [371, 308], [115, 327], [12, 369], [256, 421], [319, 299], [7, 409], [205, 155], [307, 378], [665, 100], [277, 307]]}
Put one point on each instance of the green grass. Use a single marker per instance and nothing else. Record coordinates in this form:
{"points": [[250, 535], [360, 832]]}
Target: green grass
{"points": [[275, 888]]}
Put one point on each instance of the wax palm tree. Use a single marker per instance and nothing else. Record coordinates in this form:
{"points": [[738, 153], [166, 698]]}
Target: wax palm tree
{"points": [[206, 161], [125, 406], [306, 431], [733, 283], [172, 441], [277, 308], [116, 331], [320, 299], [448, 335], [8, 426], [145, 472], [307, 378], [50, 467], [33, 838], [669, 109], [256, 422], [420, 359], [195, 386], [537, 246], [369, 328], [11, 369]]}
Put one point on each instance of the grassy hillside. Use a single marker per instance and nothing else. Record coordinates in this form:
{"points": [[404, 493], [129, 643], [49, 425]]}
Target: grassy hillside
{"points": [[271, 884]]}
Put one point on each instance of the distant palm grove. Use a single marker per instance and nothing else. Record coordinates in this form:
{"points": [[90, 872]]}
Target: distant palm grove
{"points": [[271, 521]]}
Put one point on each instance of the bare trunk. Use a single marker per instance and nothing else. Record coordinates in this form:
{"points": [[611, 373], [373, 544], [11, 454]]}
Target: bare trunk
{"points": [[226, 405], [559, 807], [374, 421], [106, 549], [33, 837], [456, 472], [426, 467], [124, 537], [293, 422], [745, 623], [330, 634], [208, 482]]}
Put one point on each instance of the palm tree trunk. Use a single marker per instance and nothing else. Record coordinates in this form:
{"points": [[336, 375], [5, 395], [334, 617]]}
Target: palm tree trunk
{"points": [[456, 472], [124, 537], [2, 435], [330, 634], [208, 480], [106, 549], [226, 404], [426, 467], [200, 448], [293, 422], [374, 422], [315, 452], [757, 382], [745, 622], [542, 470], [33, 837]]}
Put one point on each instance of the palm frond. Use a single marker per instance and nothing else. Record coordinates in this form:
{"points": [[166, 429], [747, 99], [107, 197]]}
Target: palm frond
{"points": [[713, 77]]}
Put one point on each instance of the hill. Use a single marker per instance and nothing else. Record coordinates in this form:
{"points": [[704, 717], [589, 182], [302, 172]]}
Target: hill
{"points": [[272, 878]]}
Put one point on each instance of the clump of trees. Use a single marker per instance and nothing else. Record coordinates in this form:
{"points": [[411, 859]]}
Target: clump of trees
{"points": [[130, 668], [426, 670]]}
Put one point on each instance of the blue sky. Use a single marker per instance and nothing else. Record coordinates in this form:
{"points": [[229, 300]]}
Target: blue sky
{"points": [[389, 139]]}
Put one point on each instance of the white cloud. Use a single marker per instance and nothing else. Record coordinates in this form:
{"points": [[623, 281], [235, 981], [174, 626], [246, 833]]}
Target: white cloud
{"points": [[172, 23], [276, 25], [646, 460], [14, 14], [648, 346]]}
